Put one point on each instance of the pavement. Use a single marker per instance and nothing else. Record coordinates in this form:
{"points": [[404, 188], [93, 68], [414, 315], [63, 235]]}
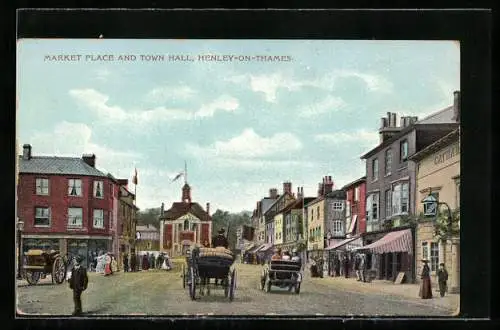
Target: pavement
{"points": [[159, 293]]}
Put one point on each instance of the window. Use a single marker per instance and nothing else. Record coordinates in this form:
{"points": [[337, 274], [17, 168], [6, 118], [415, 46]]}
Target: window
{"points": [[388, 203], [400, 199], [42, 186], [98, 189], [403, 150], [99, 219], [375, 169], [338, 228], [434, 256], [317, 212], [425, 250], [375, 202], [356, 194], [347, 209], [338, 206], [75, 217], [186, 224], [42, 217], [75, 187], [388, 161]]}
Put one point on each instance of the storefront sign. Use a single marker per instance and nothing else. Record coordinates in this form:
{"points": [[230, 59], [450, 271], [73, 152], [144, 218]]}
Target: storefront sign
{"points": [[447, 154]]}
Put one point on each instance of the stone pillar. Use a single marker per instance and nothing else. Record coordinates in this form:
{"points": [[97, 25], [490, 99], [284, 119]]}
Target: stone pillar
{"points": [[454, 272]]}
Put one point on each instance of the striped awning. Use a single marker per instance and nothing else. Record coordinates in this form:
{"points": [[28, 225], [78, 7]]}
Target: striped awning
{"points": [[353, 224], [341, 243], [264, 247], [396, 241], [253, 248]]}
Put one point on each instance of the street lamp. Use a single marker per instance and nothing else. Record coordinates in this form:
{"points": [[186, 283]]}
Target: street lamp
{"points": [[20, 227], [431, 205]]}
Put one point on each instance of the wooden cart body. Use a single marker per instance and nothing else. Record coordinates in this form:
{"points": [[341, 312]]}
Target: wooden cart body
{"points": [[281, 273], [40, 263]]}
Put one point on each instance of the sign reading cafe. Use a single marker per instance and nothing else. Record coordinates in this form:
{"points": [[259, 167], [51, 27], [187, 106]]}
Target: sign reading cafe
{"points": [[447, 153]]}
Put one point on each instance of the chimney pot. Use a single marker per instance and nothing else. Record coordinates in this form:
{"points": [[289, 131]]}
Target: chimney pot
{"points": [[208, 208], [27, 151], [389, 119], [393, 118], [89, 159]]}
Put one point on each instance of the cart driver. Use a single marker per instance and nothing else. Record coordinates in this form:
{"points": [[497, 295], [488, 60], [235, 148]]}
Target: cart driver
{"points": [[295, 256], [277, 254], [220, 239]]}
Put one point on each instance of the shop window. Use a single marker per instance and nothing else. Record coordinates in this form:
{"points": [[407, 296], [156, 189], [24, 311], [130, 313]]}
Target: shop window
{"points": [[99, 218], [98, 189], [42, 186], [75, 217], [42, 217], [74, 187]]}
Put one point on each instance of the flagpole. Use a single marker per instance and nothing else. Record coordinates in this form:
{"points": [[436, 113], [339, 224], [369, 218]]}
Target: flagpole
{"points": [[185, 172]]}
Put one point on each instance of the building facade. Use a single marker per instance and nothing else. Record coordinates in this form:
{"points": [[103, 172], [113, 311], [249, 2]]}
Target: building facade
{"points": [[438, 173], [184, 224], [275, 214], [355, 208], [66, 204], [147, 238], [127, 221]]}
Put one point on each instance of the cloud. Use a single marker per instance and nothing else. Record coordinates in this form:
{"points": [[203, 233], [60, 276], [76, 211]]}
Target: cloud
{"points": [[102, 74], [362, 136], [250, 145], [75, 139], [98, 104], [269, 84], [328, 104], [166, 93]]}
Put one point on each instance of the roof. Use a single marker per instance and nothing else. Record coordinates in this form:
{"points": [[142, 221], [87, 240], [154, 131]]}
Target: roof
{"points": [[146, 228], [57, 165], [362, 179], [436, 146], [444, 116], [335, 194], [298, 203], [280, 197], [179, 209]]}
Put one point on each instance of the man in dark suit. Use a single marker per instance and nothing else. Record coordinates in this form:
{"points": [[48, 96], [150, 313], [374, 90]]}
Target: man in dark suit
{"points": [[220, 239], [78, 283]]}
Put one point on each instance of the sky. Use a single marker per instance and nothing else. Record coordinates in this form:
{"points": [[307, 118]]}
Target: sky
{"points": [[276, 111]]}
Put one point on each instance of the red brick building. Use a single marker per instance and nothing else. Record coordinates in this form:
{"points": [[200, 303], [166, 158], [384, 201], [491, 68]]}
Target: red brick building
{"points": [[184, 224], [355, 207], [66, 204]]}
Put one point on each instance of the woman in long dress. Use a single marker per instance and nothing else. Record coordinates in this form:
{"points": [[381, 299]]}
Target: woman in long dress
{"points": [[107, 267], [114, 265], [425, 287]]}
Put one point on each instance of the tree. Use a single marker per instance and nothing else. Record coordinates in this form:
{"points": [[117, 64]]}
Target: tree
{"points": [[149, 217]]}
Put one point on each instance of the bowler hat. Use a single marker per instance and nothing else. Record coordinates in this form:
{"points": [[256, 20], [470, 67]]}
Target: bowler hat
{"points": [[441, 264], [425, 260], [79, 259]]}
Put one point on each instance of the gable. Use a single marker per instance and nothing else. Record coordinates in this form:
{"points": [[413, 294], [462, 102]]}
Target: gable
{"points": [[189, 216]]}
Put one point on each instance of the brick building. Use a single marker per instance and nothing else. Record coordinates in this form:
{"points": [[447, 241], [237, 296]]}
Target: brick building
{"points": [[127, 221], [66, 204], [184, 224]]}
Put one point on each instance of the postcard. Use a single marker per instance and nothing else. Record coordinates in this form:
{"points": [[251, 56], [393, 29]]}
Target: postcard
{"points": [[238, 177]]}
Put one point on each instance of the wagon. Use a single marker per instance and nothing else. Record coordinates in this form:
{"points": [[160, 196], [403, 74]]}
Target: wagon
{"points": [[281, 273], [39, 263], [206, 264]]}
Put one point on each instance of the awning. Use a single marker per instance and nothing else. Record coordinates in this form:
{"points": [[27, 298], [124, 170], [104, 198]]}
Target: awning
{"points": [[341, 243], [353, 224], [264, 247], [253, 248], [396, 241]]}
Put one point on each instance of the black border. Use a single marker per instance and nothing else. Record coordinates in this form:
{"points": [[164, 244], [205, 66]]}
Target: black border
{"points": [[471, 27]]}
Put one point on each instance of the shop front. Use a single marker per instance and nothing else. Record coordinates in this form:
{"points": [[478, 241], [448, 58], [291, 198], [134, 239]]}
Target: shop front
{"points": [[339, 250], [89, 249]]}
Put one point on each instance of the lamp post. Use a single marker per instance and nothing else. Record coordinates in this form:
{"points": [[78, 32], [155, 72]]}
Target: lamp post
{"points": [[20, 227], [431, 205]]}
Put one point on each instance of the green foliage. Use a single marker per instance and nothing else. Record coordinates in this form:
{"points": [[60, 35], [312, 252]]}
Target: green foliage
{"points": [[149, 217], [442, 229], [230, 222]]}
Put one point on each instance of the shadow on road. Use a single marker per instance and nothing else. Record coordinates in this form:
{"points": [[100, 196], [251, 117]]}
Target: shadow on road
{"points": [[38, 284]]}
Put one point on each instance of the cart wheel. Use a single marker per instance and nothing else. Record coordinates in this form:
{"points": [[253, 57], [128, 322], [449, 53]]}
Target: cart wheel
{"points": [[232, 284], [192, 285], [32, 277], [267, 284], [184, 278], [297, 288], [58, 270]]}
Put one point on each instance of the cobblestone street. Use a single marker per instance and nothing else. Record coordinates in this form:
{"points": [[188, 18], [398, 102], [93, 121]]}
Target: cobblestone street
{"points": [[161, 293]]}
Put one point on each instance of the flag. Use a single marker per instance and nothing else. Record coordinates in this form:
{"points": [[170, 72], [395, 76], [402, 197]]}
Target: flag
{"points": [[134, 179], [178, 176]]}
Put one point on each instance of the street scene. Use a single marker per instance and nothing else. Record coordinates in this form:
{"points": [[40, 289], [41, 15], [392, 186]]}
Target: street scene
{"points": [[238, 177], [161, 293]]}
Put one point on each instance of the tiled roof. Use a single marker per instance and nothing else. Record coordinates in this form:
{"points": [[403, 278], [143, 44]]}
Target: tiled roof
{"points": [[357, 181], [57, 165], [179, 209], [299, 203]]}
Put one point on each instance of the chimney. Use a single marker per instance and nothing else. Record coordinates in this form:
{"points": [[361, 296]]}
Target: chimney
{"points": [[300, 192], [273, 193], [208, 208], [328, 185], [383, 123], [320, 188], [287, 188], [456, 106], [393, 119], [162, 210], [89, 159], [123, 182], [389, 120], [27, 151]]}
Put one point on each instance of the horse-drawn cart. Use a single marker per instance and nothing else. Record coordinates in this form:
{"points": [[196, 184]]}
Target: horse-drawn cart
{"points": [[205, 264], [40, 263], [281, 273]]}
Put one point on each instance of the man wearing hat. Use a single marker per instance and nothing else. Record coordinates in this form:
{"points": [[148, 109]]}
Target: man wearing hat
{"points": [[78, 283], [220, 239], [425, 287], [442, 276]]}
